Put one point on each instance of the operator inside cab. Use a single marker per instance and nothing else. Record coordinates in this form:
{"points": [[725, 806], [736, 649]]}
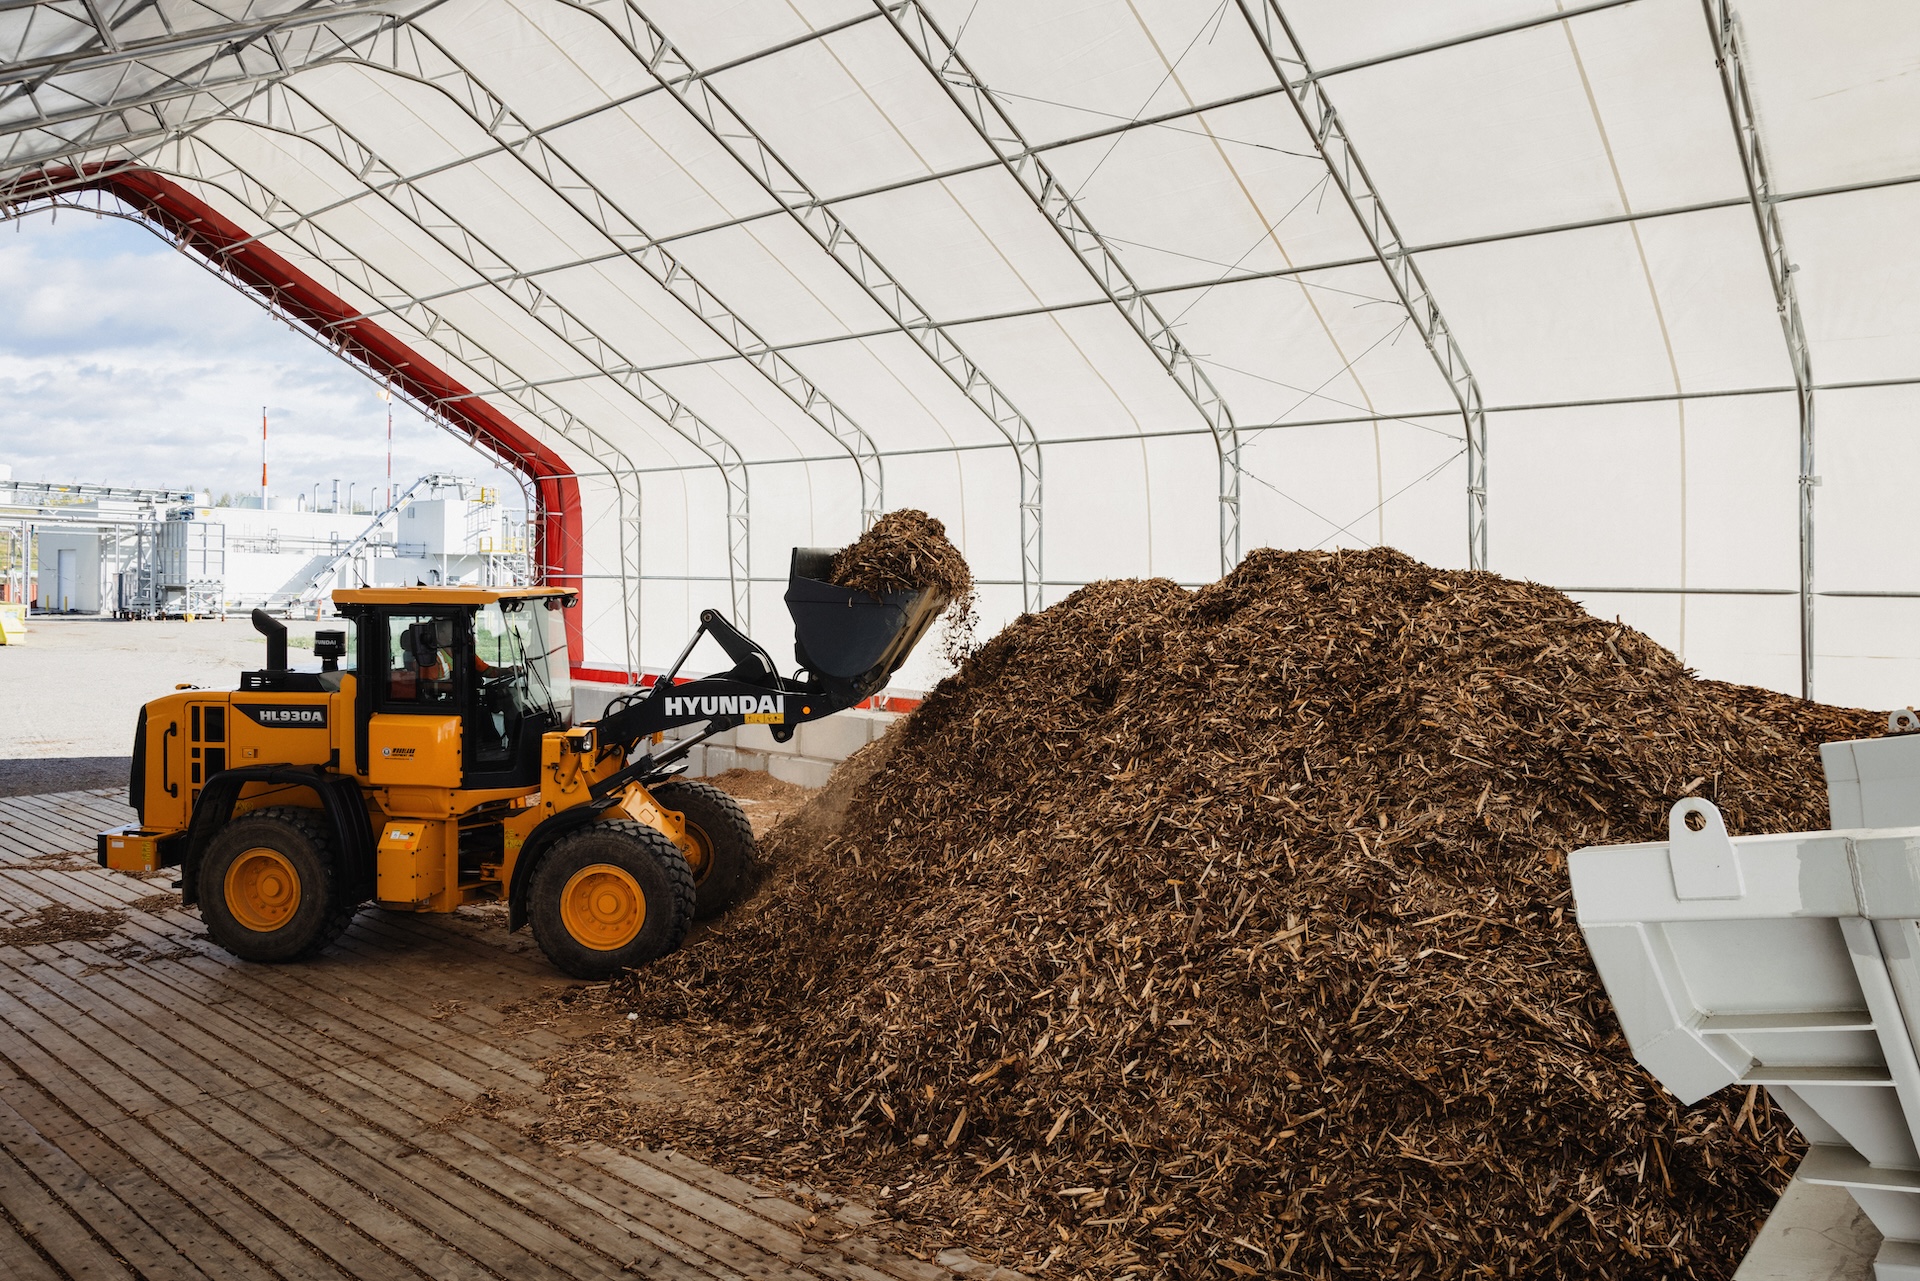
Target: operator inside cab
{"points": [[425, 671]]}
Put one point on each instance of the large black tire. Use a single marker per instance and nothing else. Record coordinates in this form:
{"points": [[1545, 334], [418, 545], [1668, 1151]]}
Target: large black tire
{"points": [[270, 886], [609, 897], [719, 827]]}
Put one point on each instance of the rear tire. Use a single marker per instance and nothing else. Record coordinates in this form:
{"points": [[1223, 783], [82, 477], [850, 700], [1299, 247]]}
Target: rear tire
{"points": [[724, 836], [270, 886], [611, 896]]}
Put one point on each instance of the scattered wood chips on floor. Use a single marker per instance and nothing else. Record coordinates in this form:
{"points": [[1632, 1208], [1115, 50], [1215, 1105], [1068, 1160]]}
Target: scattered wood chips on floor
{"points": [[56, 923], [1226, 933]]}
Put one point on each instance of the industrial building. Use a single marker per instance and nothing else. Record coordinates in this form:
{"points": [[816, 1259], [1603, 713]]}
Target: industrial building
{"points": [[159, 553], [1417, 776]]}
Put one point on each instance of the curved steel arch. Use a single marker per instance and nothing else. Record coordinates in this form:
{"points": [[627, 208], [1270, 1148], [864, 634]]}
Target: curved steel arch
{"points": [[648, 45], [259, 199], [1307, 94], [542, 160], [1724, 26], [941, 59], [414, 205]]}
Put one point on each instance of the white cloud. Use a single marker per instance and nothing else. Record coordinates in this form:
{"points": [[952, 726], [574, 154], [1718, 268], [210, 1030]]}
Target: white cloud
{"points": [[123, 362]]}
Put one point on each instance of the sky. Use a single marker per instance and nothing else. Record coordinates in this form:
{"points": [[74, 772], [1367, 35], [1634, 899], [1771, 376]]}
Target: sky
{"points": [[124, 362]]}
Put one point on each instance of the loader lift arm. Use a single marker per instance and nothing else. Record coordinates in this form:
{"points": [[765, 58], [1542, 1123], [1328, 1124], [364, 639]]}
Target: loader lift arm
{"points": [[848, 643]]}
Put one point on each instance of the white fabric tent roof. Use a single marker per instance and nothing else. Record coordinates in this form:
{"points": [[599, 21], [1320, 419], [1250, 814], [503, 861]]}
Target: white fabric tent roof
{"points": [[1076, 278]]}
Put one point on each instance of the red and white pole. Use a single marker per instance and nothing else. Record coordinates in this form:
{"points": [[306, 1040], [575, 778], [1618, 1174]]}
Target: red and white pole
{"points": [[263, 458]]}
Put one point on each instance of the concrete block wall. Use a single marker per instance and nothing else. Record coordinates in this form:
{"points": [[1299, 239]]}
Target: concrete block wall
{"points": [[808, 758]]}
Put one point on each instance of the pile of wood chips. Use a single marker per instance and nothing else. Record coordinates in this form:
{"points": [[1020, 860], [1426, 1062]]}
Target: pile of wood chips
{"points": [[1227, 933]]}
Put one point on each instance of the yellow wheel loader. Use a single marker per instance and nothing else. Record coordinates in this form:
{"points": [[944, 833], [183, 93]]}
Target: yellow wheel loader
{"points": [[431, 761]]}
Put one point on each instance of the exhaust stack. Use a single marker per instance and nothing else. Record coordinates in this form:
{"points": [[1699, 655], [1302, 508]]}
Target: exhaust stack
{"points": [[276, 633]]}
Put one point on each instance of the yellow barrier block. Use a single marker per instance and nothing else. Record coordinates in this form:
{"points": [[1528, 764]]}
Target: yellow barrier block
{"points": [[13, 622]]}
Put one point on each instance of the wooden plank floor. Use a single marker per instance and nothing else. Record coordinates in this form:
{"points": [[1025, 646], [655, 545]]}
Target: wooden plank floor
{"points": [[167, 1111]]}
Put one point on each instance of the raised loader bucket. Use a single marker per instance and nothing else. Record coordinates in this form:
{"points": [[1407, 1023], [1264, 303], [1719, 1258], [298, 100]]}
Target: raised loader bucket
{"points": [[853, 640]]}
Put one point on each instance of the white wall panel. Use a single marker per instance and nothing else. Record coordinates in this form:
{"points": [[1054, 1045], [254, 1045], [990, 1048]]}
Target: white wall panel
{"points": [[1868, 654], [1553, 318], [1859, 281], [653, 159], [1830, 80], [1345, 486], [1341, 31], [1869, 462], [1079, 373], [1331, 344], [891, 383], [554, 59], [1068, 69], [709, 34], [778, 279], [1588, 497], [970, 246], [1237, 189], [1100, 510], [852, 110]]}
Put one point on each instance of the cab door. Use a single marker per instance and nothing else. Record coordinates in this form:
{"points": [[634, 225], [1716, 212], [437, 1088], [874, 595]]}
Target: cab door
{"points": [[414, 736]]}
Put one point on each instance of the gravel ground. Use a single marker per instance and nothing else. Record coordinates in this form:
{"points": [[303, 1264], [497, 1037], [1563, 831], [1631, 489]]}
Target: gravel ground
{"points": [[30, 777], [72, 687]]}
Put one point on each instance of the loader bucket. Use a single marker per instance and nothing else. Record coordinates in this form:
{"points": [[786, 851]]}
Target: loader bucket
{"points": [[853, 640]]}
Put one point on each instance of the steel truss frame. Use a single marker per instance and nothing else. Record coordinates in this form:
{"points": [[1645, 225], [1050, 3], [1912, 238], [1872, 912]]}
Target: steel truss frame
{"points": [[118, 126], [433, 67], [1724, 27], [829, 29], [163, 84], [1308, 95], [649, 45], [1050, 196], [610, 105], [285, 110], [107, 49], [75, 6], [1306, 269]]}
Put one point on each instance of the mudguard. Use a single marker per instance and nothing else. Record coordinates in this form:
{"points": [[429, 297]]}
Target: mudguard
{"points": [[340, 800]]}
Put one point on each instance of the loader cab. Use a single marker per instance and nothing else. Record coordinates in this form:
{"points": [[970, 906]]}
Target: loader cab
{"points": [[458, 685]]}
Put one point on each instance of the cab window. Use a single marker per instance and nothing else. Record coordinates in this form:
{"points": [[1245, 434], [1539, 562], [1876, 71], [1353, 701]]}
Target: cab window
{"points": [[420, 660]]}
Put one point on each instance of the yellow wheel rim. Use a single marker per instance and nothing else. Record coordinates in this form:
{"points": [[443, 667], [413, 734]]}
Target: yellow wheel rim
{"points": [[700, 857], [263, 890], [603, 907]]}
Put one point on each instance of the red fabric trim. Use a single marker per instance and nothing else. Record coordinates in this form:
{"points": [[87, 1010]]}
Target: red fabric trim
{"points": [[194, 222], [606, 676]]}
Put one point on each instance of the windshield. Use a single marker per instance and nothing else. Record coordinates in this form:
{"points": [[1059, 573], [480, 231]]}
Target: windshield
{"points": [[521, 647]]}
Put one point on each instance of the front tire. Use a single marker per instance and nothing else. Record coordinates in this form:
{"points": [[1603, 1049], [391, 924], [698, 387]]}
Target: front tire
{"points": [[609, 897], [269, 886], [723, 838]]}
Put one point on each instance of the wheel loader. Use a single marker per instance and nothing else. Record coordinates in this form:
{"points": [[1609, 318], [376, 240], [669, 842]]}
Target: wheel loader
{"points": [[430, 761]]}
